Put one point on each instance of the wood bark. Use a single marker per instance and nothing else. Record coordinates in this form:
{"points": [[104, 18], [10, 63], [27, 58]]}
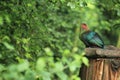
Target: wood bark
{"points": [[104, 64], [108, 52]]}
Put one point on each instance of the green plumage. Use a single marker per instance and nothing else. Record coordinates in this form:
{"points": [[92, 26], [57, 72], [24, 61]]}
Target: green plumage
{"points": [[92, 39]]}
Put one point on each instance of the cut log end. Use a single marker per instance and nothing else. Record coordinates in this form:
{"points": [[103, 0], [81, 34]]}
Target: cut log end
{"points": [[104, 64]]}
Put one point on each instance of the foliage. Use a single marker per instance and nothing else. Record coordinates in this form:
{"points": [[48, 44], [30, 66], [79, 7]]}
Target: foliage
{"points": [[45, 68], [39, 39], [111, 15]]}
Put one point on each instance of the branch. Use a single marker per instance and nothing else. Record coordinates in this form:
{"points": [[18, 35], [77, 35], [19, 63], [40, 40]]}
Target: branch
{"points": [[108, 52]]}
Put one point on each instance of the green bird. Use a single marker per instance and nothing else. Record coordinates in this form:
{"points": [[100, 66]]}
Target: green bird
{"points": [[91, 38]]}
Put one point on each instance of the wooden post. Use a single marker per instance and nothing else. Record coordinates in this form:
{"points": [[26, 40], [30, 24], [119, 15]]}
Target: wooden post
{"points": [[104, 64]]}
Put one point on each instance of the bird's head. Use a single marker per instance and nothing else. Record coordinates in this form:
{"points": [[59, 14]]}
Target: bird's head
{"points": [[84, 27]]}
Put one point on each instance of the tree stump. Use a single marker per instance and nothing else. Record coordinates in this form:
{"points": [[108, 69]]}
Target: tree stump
{"points": [[104, 64]]}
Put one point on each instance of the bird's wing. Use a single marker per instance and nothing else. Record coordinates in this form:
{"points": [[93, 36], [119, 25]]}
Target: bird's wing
{"points": [[85, 42], [95, 39]]}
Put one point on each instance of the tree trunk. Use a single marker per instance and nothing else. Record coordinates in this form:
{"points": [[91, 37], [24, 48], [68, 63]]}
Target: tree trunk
{"points": [[104, 64]]}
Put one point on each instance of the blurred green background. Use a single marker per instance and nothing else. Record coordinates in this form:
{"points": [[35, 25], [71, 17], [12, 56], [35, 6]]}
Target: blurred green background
{"points": [[39, 39]]}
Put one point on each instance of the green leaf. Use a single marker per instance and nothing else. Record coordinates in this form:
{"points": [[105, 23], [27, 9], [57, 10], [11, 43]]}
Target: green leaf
{"points": [[48, 51], [66, 52], [72, 5], [1, 20], [12, 68], [62, 1], [75, 77], [41, 64], [29, 5], [83, 4], [1, 68], [23, 66], [28, 55], [30, 75], [6, 38], [45, 75], [25, 40], [85, 61], [62, 75], [7, 19], [59, 66], [118, 12], [8, 46], [73, 67]]}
